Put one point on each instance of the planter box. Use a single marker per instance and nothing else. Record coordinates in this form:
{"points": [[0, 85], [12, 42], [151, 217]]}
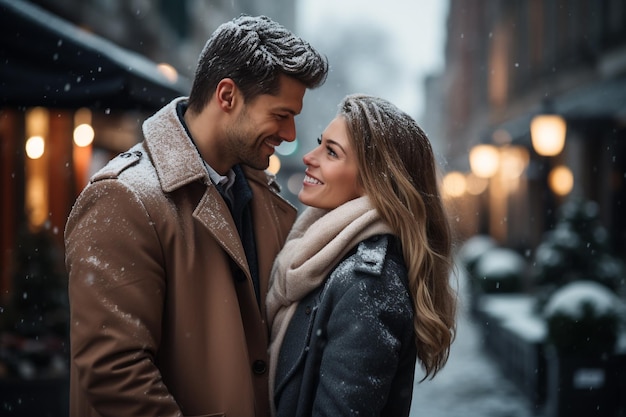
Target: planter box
{"points": [[515, 337], [582, 386]]}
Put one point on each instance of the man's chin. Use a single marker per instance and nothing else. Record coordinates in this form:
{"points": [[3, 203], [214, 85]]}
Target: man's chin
{"points": [[259, 165]]}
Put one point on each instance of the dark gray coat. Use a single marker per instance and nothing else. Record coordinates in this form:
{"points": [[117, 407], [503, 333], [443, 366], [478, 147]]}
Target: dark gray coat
{"points": [[350, 347]]}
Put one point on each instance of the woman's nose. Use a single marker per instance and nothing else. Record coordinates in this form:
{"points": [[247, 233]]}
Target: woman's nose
{"points": [[308, 158]]}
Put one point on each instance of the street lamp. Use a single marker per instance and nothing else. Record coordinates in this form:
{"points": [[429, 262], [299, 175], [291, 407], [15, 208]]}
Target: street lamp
{"points": [[484, 160], [547, 133], [561, 180], [454, 184]]}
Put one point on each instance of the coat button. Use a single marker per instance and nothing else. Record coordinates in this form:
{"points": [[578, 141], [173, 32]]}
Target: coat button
{"points": [[307, 310], [259, 367]]}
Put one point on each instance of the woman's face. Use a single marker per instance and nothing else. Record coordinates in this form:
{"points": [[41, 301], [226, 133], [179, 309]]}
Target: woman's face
{"points": [[332, 171]]}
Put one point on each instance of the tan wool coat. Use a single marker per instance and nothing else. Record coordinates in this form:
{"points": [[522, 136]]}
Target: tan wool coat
{"points": [[164, 317]]}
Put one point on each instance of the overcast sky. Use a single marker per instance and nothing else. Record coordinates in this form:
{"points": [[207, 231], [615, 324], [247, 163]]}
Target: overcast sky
{"points": [[417, 28]]}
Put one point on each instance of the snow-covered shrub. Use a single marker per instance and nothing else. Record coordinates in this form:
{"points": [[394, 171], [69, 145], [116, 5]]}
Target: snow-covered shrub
{"points": [[473, 248], [500, 270], [583, 318], [577, 248]]}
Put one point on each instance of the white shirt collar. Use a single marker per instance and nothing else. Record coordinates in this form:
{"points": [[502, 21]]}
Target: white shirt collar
{"points": [[226, 181]]}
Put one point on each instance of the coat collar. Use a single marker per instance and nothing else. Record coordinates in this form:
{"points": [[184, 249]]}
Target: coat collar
{"points": [[175, 157]]}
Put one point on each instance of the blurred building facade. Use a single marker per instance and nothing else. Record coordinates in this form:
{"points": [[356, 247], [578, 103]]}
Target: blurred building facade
{"points": [[172, 31], [506, 62]]}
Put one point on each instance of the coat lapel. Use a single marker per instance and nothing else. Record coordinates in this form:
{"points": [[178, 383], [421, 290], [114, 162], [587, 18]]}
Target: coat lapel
{"points": [[213, 213]]}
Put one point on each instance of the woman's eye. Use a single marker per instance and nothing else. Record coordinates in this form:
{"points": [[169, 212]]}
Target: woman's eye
{"points": [[330, 151], [319, 140]]}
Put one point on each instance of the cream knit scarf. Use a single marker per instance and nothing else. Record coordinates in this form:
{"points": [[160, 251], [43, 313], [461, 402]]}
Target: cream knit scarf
{"points": [[316, 243]]}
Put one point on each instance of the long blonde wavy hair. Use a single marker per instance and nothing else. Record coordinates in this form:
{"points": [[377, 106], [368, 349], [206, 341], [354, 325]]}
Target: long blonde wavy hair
{"points": [[398, 172]]}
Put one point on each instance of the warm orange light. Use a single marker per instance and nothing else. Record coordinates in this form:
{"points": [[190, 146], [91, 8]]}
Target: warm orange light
{"points": [[168, 71], [561, 180], [454, 184], [82, 160], [36, 168], [274, 166], [83, 135], [547, 133], [513, 162], [35, 147], [37, 122], [83, 132], [476, 185], [484, 160]]}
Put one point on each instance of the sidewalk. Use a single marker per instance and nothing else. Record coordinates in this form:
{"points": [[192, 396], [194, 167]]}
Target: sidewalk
{"points": [[471, 384]]}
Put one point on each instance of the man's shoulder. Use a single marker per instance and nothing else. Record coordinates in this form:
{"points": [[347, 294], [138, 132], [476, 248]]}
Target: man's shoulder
{"points": [[126, 180], [133, 168], [116, 166]]}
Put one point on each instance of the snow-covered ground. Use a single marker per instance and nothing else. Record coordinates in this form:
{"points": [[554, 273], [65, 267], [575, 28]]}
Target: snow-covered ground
{"points": [[471, 384]]}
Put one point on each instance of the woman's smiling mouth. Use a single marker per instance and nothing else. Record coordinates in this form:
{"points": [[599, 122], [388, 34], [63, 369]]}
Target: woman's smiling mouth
{"points": [[311, 180]]}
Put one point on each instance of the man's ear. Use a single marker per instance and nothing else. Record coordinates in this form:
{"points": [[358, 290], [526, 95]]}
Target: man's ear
{"points": [[226, 94]]}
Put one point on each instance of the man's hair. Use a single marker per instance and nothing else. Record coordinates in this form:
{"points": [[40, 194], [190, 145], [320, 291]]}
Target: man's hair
{"points": [[254, 52]]}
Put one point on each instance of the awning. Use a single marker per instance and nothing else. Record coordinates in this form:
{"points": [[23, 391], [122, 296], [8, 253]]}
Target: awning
{"points": [[599, 103], [46, 61]]}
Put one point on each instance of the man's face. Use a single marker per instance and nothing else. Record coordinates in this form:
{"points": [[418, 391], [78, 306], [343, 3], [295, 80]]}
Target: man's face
{"points": [[264, 122]]}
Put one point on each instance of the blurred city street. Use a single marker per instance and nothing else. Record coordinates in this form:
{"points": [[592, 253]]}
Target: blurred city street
{"points": [[471, 384]]}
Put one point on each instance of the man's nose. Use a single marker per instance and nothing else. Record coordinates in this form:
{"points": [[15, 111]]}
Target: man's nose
{"points": [[288, 130]]}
